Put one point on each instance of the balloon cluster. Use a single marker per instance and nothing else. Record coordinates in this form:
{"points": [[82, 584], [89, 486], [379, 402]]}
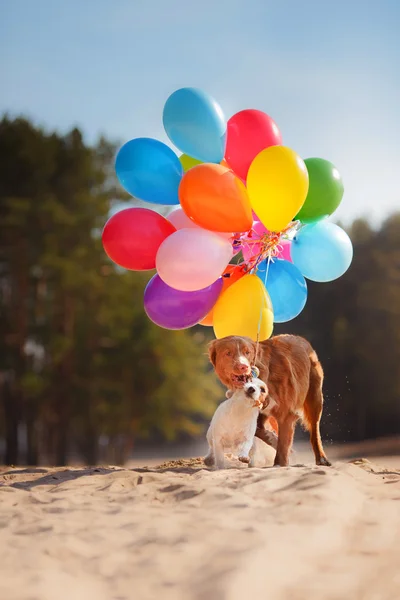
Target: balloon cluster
{"points": [[239, 189]]}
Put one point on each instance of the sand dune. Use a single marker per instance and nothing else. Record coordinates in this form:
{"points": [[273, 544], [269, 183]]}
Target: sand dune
{"points": [[190, 533]]}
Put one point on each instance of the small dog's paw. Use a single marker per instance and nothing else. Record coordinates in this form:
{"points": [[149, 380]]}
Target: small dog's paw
{"points": [[209, 460], [324, 462], [244, 459]]}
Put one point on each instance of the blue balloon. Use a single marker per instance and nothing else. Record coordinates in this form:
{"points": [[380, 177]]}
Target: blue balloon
{"points": [[286, 287], [149, 170], [195, 123], [322, 251]]}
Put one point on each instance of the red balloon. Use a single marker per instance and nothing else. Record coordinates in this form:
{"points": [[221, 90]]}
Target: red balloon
{"points": [[249, 132], [132, 237]]}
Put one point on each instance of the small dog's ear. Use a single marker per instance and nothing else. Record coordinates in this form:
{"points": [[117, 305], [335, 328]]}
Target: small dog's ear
{"points": [[212, 352]]}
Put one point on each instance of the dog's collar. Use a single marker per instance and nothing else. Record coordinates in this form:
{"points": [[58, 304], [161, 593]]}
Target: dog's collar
{"points": [[255, 372]]}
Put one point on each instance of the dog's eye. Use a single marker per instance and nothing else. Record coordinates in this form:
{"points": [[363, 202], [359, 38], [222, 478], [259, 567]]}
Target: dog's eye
{"points": [[228, 353], [262, 390], [247, 352]]}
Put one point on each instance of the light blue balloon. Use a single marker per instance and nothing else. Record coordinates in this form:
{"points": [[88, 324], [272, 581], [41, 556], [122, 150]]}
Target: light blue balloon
{"points": [[286, 287], [322, 251], [195, 123], [149, 170]]}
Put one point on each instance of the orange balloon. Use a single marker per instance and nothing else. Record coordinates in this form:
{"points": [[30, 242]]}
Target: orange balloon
{"points": [[235, 273], [214, 198], [223, 163]]}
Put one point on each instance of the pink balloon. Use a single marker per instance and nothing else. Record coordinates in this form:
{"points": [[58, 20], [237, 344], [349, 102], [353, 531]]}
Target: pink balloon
{"points": [[180, 220], [285, 253], [251, 250], [192, 259]]}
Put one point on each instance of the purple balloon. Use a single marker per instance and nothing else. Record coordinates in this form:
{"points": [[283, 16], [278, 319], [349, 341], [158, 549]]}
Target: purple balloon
{"points": [[174, 309]]}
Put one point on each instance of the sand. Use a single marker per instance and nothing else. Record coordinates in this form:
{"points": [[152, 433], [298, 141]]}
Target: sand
{"points": [[185, 532]]}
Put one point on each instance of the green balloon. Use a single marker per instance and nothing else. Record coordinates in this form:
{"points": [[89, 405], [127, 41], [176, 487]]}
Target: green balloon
{"points": [[325, 191], [188, 162]]}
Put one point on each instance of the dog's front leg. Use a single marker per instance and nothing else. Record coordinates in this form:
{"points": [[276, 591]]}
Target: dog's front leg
{"points": [[266, 435], [285, 440], [243, 451]]}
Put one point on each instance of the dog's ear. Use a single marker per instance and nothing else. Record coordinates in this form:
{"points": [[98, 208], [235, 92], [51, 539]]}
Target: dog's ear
{"points": [[254, 348], [212, 352], [258, 356]]}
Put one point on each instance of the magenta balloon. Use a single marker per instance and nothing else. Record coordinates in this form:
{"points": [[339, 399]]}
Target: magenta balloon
{"points": [[285, 252], [174, 309]]}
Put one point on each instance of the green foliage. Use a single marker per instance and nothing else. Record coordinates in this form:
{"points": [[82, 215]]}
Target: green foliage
{"points": [[82, 357]]}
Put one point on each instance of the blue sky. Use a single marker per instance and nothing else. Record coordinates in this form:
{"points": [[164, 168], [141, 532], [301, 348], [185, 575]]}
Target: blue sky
{"points": [[327, 72]]}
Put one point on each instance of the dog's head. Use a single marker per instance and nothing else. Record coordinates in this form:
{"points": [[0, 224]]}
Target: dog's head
{"points": [[256, 391], [233, 358]]}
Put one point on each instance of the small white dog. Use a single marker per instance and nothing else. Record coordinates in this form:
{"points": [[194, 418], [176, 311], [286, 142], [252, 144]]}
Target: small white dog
{"points": [[234, 423]]}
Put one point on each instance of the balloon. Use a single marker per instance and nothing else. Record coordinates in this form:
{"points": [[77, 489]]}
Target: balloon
{"points": [[277, 184], [286, 287], [195, 123], [180, 220], [132, 237], [174, 309], [149, 170], [322, 251], [325, 190], [215, 199], [192, 259], [244, 309], [251, 250], [249, 132], [235, 273], [188, 162], [285, 250]]}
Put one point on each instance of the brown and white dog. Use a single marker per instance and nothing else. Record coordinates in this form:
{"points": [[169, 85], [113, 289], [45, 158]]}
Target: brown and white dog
{"points": [[294, 376]]}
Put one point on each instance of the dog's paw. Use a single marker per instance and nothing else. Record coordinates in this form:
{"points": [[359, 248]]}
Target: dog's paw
{"points": [[324, 462], [209, 460], [244, 459]]}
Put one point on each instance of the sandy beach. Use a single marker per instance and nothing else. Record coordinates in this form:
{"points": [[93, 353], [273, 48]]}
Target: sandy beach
{"points": [[184, 532]]}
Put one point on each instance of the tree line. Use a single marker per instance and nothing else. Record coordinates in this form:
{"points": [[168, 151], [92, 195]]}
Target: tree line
{"points": [[79, 360]]}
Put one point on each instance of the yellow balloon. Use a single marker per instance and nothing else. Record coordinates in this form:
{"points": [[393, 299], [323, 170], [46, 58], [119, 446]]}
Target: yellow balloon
{"points": [[277, 184], [188, 162], [243, 309]]}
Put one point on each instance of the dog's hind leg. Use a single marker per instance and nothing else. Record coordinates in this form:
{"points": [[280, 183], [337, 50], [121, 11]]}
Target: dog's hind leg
{"points": [[219, 455], [313, 410], [209, 460]]}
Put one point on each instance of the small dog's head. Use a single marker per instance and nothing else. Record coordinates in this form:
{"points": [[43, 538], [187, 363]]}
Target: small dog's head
{"points": [[233, 358], [256, 391]]}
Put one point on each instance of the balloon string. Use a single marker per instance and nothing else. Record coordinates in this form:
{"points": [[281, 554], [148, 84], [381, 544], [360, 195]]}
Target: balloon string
{"points": [[261, 309], [270, 248]]}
